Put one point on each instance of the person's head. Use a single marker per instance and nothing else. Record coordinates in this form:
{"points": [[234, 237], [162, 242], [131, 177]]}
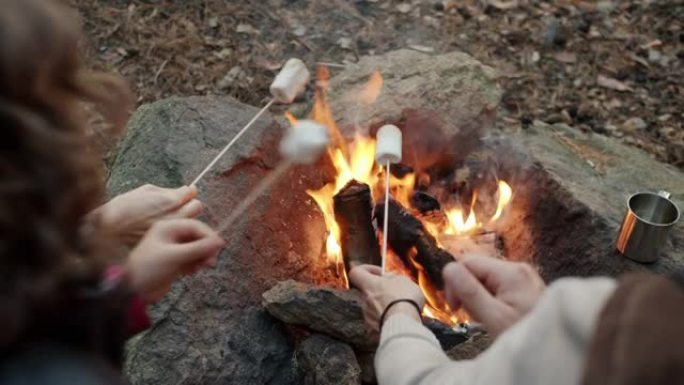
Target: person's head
{"points": [[49, 177]]}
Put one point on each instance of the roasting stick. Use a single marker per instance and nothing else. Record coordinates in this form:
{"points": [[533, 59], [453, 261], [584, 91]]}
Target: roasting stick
{"points": [[387, 151], [384, 233], [232, 141], [303, 143], [289, 82], [264, 185]]}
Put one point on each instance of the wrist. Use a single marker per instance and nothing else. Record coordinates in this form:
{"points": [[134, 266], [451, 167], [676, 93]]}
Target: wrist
{"points": [[403, 308], [390, 307]]}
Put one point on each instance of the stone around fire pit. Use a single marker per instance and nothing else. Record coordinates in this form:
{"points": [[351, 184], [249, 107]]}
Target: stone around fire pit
{"points": [[322, 360], [336, 313], [454, 85], [577, 187]]}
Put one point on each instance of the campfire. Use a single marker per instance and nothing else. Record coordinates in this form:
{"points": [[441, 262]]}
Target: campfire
{"points": [[433, 219]]}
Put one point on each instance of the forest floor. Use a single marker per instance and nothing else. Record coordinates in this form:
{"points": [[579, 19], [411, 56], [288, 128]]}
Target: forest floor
{"points": [[615, 68]]}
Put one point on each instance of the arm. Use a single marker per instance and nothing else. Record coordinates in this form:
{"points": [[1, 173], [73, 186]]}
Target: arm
{"points": [[546, 346]]}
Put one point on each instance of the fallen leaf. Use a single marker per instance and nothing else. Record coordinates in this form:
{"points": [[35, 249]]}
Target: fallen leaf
{"points": [[246, 28], [404, 7], [566, 57], [652, 44], [612, 84], [422, 48], [503, 5], [344, 42]]}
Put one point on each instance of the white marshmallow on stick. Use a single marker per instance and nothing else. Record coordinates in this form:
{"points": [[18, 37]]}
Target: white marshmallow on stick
{"points": [[387, 151], [290, 81], [303, 143]]}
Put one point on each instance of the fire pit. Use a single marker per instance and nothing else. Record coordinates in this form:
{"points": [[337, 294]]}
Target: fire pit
{"points": [[550, 196], [443, 206]]}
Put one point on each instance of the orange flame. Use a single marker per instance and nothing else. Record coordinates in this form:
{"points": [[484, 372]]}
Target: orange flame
{"points": [[291, 118], [505, 195], [370, 93], [352, 161]]}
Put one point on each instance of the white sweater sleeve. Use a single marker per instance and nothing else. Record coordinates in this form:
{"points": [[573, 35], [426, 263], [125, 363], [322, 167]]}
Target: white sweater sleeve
{"points": [[547, 346]]}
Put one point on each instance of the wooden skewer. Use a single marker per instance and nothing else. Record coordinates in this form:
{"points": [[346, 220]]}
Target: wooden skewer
{"points": [[271, 178], [384, 227], [232, 141]]}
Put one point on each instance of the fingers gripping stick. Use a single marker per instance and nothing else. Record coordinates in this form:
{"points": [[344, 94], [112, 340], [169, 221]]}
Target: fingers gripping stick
{"points": [[289, 82], [387, 151]]}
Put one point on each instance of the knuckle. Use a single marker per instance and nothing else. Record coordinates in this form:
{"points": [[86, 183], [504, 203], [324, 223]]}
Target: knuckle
{"points": [[523, 270]]}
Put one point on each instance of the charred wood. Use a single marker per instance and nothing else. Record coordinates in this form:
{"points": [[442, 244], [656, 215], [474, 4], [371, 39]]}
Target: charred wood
{"points": [[425, 202], [354, 214], [407, 233]]}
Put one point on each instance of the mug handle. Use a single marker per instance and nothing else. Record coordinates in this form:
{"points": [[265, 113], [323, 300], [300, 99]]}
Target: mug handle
{"points": [[664, 194]]}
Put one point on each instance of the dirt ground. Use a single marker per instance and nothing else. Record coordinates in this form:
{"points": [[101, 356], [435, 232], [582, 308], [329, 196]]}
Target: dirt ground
{"points": [[612, 67]]}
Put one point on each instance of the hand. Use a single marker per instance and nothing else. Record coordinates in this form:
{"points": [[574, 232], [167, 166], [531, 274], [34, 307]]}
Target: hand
{"points": [[131, 214], [379, 290], [171, 248], [495, 292]]}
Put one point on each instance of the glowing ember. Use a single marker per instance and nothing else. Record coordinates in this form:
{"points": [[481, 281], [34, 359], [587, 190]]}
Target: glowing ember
{"points": [[354, 160]]}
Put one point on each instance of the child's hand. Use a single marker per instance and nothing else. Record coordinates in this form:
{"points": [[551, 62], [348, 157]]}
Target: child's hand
{"points": [[131, 214], [170, 249]]}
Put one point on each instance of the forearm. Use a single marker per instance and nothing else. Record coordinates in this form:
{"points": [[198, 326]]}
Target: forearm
{"points": [[546, 346], [408, 351]]}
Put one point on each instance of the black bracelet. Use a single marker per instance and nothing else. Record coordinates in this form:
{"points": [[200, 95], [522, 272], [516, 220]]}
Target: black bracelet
{"points": [[396, 301]]}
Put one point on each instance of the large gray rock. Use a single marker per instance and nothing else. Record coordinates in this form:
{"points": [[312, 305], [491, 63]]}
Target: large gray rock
{"points": [[336, 313], [322, 360], [211, 328], [571, 195], [455, 86]]}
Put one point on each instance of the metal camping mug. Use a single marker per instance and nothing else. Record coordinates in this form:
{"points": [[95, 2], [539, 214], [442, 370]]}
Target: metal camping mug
{"points": [[644, 230]]}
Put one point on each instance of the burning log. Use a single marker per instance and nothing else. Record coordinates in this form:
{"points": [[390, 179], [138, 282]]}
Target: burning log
{"points": [[354, 214], [425, 202], [406, 233]]}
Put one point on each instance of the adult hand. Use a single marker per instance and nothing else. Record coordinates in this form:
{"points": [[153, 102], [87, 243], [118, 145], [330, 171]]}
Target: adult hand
{"points": [[494, 292], [170, 248], [380, 290], [131, 214]]}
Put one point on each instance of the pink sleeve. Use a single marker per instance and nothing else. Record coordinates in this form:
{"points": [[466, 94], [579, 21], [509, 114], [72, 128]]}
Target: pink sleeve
{"points": [[137, 319]]}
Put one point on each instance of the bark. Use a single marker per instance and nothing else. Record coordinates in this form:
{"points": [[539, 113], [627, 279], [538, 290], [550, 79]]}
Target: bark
{"points": [[407, 235], [354, 214]]}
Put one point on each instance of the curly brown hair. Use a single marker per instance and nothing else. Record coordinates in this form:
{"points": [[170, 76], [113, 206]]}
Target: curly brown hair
{"points": [[50, 177]]}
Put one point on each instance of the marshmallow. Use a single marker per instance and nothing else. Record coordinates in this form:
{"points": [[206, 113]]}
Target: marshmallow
{"points": [[290, 81], [388, 144], [305, 142]]}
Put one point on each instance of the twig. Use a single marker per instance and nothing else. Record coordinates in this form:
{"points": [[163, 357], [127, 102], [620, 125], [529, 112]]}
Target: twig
{"points": [[159, 71]]}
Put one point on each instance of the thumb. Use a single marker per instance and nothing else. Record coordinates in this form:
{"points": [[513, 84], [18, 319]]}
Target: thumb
{"points": [[183, 195], [462, 286], [363, 276]]}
